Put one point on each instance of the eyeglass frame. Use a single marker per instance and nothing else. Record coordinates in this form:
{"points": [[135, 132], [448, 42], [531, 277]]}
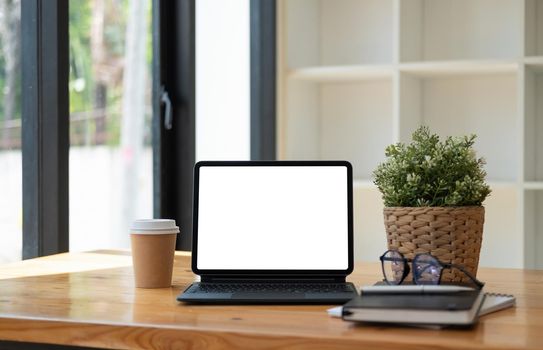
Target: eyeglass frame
{"points": [[408, 269]]}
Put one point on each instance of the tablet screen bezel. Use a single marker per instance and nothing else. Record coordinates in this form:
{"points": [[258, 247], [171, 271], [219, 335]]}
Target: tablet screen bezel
{"points": [[269, 272]]}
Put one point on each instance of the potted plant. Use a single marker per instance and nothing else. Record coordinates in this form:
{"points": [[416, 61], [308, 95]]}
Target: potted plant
{"points": [[433, 193]]}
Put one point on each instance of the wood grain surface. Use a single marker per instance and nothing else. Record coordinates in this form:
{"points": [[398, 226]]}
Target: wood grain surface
{"points": [[89, 299]]}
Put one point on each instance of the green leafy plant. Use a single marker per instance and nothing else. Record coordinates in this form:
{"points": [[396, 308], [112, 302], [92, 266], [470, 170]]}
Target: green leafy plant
{"points": [[430, 172]]}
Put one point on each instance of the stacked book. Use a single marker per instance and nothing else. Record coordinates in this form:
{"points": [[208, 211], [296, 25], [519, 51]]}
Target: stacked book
{"points": [[423, 305]]}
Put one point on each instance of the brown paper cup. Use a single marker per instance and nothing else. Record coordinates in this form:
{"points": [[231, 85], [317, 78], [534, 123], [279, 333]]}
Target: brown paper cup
{"points": [[153, 255]]}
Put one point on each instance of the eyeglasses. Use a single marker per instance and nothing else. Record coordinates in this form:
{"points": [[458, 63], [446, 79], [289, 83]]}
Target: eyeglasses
{"points": [[426, 269]]}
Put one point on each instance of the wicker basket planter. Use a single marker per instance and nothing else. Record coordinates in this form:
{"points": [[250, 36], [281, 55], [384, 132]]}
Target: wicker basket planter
{"points": [[451, 234]]}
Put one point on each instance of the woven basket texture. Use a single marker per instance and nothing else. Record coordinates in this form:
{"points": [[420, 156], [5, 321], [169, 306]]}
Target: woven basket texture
{"points": [[451, 234]]}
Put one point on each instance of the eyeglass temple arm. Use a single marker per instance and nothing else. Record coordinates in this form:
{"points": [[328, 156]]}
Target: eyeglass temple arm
{"points": [[461, 268]]}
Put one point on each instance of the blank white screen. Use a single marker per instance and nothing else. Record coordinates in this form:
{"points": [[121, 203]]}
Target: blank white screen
{"points": [[273, 218]]}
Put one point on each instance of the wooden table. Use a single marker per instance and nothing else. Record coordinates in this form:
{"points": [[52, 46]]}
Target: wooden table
{"points": [[89, 299]]}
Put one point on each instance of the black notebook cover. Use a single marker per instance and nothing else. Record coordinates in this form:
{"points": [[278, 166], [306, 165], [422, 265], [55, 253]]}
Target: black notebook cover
{"points": [[459, 308], [453, 301]]}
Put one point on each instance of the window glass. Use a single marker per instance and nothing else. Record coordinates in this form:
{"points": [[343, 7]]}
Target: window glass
{"points": [[110, 120], [222, 80], [11, 207]]}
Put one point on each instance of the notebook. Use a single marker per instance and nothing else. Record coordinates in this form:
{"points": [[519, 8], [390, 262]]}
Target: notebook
{"points": [[459, 308], [272, 232], [493, 302]]}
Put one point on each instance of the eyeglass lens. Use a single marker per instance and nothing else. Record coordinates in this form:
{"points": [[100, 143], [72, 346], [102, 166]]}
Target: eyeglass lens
{"points": [[393, 266], [426, 269]]}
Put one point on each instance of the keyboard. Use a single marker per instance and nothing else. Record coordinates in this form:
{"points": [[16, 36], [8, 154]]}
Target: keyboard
{"points": [[268, 293], [272, 287]]}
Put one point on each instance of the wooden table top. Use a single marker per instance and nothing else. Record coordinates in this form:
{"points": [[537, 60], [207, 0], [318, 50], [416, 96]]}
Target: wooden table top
{"points": [[89, 299]]}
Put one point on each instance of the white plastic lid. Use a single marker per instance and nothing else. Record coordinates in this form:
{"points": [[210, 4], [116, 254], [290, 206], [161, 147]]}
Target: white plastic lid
{"points": [[154, 227]]}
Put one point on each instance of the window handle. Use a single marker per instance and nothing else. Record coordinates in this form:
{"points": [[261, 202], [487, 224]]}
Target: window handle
{"points": [[165, 100]]}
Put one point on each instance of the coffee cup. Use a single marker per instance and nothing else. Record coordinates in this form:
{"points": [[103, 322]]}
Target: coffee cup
{"points": [[153, 248]]}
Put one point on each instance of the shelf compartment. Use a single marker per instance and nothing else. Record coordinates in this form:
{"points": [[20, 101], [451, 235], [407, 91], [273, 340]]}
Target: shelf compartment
{"points": [[460, 29], [323, 32], [485, 105], [533, 123], [533, 228], [500, 234], [533, 26], [351, 121], [503, 243]]}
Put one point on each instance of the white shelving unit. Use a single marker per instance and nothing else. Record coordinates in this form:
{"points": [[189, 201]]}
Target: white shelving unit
{"points": [[357, 75]]}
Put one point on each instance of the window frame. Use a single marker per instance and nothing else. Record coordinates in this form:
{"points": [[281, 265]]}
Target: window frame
{"points": [[45, 127], [174, 150], [263, 79]]}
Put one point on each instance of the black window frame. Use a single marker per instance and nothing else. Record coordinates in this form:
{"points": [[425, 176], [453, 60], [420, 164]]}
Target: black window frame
{"points": [[174, 148], [263, 21], [45, 126]]}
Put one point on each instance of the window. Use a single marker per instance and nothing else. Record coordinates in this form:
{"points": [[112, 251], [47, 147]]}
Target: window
{"points": [[86, 79], [110, 120], [10, 131], [222, 80]]}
